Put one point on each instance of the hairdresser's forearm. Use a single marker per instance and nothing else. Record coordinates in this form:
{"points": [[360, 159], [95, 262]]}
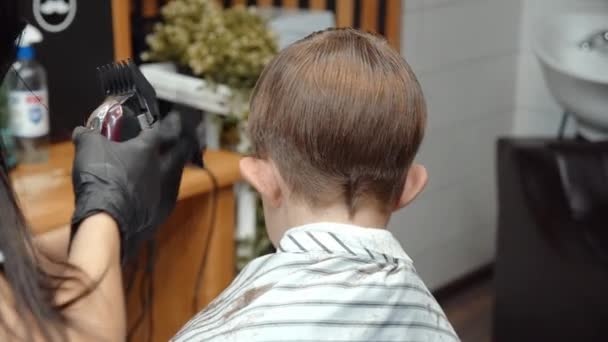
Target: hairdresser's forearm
{"points": [[54, 244], [95, 251], [96, 246]]}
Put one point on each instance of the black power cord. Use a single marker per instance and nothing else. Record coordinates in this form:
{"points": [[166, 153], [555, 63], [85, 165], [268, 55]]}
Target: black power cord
{"points": [[562, 126], [150, 267], [203, 262], [147, 292], [147, 297]]}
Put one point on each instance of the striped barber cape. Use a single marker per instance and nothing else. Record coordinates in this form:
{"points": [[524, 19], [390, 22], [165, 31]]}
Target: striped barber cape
{"points": [[327, 282]]}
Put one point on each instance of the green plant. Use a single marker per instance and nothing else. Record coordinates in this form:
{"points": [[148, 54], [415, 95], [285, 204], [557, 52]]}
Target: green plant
{"points": [[228, 46]]}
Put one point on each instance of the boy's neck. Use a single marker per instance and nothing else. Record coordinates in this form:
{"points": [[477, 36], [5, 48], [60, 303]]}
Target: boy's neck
{"points": [[365, 216], [298, 215]]}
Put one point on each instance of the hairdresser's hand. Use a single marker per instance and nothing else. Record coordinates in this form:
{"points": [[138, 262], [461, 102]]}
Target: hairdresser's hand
{"points": [[136, 182]]}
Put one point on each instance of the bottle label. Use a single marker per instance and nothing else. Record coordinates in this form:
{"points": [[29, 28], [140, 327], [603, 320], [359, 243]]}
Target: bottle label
{"points": [[29, 114]]}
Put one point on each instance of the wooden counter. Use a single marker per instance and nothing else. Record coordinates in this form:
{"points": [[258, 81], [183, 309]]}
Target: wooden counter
{"points": [[187, 239]]}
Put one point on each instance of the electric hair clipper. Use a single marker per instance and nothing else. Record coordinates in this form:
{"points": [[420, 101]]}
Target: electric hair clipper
{"points": [[130, 103], [131, 106]]}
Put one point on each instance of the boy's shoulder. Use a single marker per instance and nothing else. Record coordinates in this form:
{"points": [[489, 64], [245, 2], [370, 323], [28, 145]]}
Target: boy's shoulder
{"points": [[320, 297]]}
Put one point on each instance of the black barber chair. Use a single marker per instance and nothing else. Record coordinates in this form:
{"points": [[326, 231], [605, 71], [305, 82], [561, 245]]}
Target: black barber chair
{"points": [[551, 270]]}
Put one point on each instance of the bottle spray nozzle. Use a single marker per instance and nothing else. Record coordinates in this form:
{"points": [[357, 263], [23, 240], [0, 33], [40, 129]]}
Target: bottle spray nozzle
{"points": [[31, 35]]}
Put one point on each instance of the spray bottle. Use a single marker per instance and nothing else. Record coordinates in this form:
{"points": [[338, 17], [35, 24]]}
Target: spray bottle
{"points": [[28, 101]]}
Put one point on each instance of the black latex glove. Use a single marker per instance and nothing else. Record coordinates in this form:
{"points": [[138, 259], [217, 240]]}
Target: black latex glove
{"points": [[136, 182]]}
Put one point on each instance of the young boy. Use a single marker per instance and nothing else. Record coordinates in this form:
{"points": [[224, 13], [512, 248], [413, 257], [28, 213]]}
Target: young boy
{"points": [[336, 121]]}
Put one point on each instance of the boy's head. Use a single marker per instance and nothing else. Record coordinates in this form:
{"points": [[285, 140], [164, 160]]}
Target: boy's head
{"points": [[336, 121]]}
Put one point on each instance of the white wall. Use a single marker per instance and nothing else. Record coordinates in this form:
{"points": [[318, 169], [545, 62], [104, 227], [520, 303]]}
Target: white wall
{"points": [[465, 54], [537, 113]]}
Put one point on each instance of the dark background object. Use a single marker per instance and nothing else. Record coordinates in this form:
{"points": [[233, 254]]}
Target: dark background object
{"points": [[70, 58], [551, 269]]}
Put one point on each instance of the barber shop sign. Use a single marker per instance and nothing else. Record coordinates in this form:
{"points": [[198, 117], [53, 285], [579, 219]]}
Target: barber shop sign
{"points": [[54, 15]]}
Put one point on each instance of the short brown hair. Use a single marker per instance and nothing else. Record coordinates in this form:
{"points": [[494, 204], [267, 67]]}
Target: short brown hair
{"points": [[342, 116]]}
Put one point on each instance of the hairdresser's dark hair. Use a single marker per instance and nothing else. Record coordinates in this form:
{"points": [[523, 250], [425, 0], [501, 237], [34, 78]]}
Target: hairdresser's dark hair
{"points": [[33, 289]]}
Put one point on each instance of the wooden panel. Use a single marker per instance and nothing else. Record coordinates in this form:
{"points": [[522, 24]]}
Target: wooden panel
{"points": [[239, 2], [392, 29], [150, 8], [45, 190], [290, 3], [219, 270], [183, 243], [263, 3], [121, 21], [369, 15], [318, 4], [345, 10]]}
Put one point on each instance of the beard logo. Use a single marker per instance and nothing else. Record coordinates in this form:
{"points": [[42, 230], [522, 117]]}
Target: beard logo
{"points": [[54, 15]]}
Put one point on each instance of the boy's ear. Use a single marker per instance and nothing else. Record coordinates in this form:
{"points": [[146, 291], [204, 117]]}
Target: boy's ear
{"points": [[259, 174], [415, 182]]}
